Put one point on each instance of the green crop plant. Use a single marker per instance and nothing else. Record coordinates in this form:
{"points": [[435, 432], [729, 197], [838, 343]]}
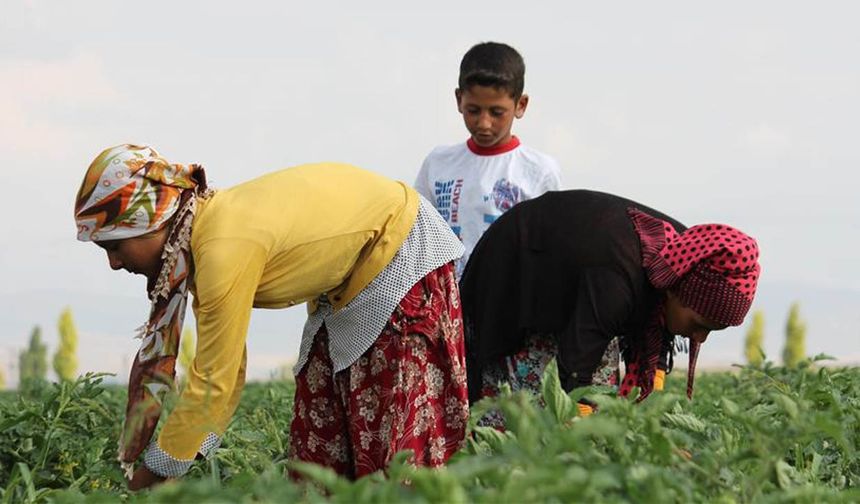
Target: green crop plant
{"points": [[758, 434]]}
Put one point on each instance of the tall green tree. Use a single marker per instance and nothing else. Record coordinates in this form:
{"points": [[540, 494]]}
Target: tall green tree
{"points": [[66, 359], [795, 338], [33, 361], [754, 343]]}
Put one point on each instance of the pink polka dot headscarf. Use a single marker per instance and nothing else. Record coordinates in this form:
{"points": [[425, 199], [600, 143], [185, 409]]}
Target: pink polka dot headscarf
{"points": [[713, 268]]}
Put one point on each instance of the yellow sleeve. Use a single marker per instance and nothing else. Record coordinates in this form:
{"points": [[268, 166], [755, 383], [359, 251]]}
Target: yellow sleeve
{"points": [[227, 273], [233, 403]]}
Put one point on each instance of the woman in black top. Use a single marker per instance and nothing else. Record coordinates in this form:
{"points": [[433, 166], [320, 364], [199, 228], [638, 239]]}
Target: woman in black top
{"points": [[566, 272]]}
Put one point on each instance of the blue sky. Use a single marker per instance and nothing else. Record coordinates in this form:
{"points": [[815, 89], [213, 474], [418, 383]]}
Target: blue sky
{"points": [[739, 112]]}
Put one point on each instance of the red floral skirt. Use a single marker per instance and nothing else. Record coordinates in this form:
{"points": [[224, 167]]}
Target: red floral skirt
{"points": [[406, 392]]}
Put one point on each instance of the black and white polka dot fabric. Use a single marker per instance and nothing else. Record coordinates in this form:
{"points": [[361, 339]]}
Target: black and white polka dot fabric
{"points": [[354, 328], [162, 464]]}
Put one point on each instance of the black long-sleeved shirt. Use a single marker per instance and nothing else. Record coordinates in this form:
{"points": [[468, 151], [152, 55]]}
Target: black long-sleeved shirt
{"points": [[568, 263]]}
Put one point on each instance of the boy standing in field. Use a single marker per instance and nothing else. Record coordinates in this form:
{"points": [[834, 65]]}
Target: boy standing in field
{"points": [[471, 184]]}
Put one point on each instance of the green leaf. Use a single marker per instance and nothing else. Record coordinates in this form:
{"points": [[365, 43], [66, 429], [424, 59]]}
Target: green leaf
{"points": [[557, 401], [28, 480], [494, 438], [729, 406], [788, 405], [783, 474], [685, 421]]}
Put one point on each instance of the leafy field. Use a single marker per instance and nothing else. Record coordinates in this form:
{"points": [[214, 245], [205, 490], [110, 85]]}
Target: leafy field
{"points": [[758, 435]]}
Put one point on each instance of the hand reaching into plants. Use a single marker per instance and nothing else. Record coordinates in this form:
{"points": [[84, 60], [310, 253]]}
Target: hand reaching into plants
{"points": [[659, 380], [584, 409], [144, 478]]}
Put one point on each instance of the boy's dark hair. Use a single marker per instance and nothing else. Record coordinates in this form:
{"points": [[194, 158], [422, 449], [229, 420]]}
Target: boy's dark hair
{"points": [[493, 64]]}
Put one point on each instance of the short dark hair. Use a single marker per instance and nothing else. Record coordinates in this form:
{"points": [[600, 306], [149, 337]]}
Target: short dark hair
{"points": [[493, 64]]}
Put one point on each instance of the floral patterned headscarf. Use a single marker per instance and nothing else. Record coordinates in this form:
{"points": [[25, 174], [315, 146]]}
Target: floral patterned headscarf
{"points": [[130, 191]]}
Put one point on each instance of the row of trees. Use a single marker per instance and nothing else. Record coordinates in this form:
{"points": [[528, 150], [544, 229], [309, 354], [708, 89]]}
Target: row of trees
{"points": [[33, 361], [794, 349]]}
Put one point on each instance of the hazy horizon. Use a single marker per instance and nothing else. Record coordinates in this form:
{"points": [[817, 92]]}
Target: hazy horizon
{"points": [[737, 112]]}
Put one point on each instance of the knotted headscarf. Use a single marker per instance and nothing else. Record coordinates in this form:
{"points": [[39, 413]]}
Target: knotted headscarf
{"points": [[712, 268], [130, 191]]}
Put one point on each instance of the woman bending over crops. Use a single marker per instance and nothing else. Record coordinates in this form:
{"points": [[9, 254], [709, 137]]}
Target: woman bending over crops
{"points": [[561, 275], [381, 366]]}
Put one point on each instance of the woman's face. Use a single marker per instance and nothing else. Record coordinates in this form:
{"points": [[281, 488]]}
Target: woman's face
{"points": [[684, 321], [140, 255]]}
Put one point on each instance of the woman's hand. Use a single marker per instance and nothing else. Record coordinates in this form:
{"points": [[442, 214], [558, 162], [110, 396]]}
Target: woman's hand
{"points": [[143, 478]]}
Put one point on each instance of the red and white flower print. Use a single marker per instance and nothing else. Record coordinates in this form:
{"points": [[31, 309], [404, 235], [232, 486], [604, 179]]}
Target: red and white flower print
{"points": [[407, 392]]}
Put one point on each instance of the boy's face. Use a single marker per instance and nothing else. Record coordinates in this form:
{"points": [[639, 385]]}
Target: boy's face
{"points": [[489, 113]]}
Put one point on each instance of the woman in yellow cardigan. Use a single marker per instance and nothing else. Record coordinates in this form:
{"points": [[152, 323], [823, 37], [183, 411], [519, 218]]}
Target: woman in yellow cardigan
{"points": [[381, 366]]}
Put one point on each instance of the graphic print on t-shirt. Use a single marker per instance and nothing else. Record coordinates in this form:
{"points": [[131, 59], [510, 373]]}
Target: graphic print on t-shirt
{"points": [[447, 193], [505, 195], [471, 190]]}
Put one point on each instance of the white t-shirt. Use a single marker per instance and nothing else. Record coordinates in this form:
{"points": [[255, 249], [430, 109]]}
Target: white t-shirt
{"points": [[471, 186]]}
